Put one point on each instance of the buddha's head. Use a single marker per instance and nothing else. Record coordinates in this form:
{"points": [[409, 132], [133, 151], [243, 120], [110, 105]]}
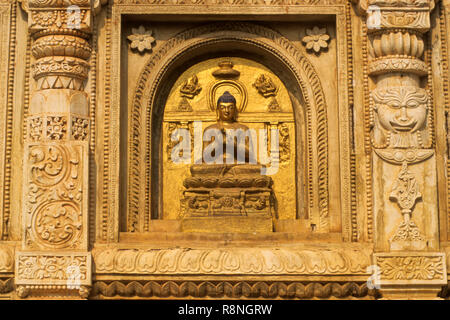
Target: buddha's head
{"points": [[226, 107]]}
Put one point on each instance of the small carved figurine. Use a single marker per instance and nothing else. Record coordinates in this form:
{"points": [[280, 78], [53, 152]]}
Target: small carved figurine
{"points": [[267, 88]]}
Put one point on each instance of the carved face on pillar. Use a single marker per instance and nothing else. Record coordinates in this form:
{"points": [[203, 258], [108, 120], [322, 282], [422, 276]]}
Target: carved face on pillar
{"points": [[402, 114]]}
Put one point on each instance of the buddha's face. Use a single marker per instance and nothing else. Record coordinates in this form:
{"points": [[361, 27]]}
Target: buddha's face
{"points": [[401, 109], [227, 111]]}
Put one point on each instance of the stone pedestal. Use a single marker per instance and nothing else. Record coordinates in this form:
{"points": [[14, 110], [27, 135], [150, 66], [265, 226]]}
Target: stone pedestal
{"points": [[227, 198]]}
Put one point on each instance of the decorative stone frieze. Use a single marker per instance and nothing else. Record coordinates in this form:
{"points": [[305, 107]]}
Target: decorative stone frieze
{"points": [[236, 261], [99, 105]]}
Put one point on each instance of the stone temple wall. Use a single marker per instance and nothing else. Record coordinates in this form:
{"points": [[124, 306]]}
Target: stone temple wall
{"points": [[93, 204]]}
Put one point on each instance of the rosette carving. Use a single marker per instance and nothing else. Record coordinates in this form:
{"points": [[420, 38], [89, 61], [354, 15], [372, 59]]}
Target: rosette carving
{"points": [[56, 127], [57, 224], [80, 128]]}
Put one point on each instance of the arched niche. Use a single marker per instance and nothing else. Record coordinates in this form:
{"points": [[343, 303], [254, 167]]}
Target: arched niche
{"points": [[191, 100], [242, 41]]}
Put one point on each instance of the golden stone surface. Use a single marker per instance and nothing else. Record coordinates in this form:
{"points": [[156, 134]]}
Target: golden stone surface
{"points": [[93, 205]]}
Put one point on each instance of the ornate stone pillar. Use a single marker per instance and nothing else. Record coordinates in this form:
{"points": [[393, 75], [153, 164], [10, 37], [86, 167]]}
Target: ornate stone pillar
{"points": [[403, 149], [54, 258]]}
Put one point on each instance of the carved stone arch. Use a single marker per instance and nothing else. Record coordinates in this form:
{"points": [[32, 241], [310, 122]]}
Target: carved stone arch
{"points": [[197, 40]]}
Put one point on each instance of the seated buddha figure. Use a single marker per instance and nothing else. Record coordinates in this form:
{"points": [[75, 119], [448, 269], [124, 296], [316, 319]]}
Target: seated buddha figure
{"points": [[227, 137], [229, 182]]}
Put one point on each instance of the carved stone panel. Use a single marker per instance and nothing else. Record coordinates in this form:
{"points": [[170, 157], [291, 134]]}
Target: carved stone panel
{"points": [[398, 195], [261, 99], [411, 268], [55, 198]]}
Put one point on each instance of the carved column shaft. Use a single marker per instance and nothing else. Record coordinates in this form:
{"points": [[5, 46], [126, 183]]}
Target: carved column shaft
{"points": [[404, 164], [402, 125], [55, 217]]}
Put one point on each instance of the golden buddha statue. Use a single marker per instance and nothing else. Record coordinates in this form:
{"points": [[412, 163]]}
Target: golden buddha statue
{"points": [[227, 192], [236, 139]]}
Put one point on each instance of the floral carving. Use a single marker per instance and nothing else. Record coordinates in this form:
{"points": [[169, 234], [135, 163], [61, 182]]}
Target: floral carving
{"points": [[316, 39], [57, 223], [411, 267], [400, 3], [80, 128], [406, 193], [407, 231], [54, 197], [405, 190], [383, 65], [399, 156], [226, 202], [36, 127], [141, 39], [56, 127], [46, 19], [56, 269]]}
